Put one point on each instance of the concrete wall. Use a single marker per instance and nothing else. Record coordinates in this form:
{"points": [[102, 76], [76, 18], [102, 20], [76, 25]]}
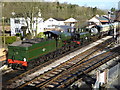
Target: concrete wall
{"points": [[113, 73]]}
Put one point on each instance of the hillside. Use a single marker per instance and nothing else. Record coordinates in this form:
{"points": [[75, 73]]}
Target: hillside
{"points": [[48, 10]]}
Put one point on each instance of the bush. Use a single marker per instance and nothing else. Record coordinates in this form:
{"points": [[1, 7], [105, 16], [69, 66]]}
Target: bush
{"points": [[9, 39], [28, 36], [18, 34], [40, 35]]}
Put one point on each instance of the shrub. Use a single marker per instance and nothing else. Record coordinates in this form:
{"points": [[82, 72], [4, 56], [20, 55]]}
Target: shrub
{"points": [[18, 34], [40, 35], [9, 39]]}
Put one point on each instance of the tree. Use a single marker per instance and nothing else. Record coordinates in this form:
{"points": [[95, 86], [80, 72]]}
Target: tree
{"points": [[28, 11], [49, 9], [94, 10], [113, 9]]}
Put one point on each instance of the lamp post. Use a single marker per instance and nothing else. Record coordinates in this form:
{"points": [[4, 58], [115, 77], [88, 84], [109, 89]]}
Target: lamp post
{"points": [[3, 28], [114, 27], [3, 23], [13, 23]]}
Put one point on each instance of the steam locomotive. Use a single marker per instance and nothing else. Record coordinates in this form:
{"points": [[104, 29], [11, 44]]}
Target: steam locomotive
{"points": [[33, 52]]}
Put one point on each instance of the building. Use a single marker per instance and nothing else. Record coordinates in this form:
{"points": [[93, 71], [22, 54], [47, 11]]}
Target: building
{"points": [[98, 20], [70, 22], [119, 5], [56, 23], [50, 23], [103, 19], [94, 21], [17, 23], [64, 28], [111, 18]]}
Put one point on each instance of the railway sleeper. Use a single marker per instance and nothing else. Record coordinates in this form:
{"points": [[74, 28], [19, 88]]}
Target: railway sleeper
{"points": [[58, 70], [49, 86], [54, 73], [56, 83], [49, 75], [44, 77], [31, 84], [41, 80], [36, 82], [62, 68]]}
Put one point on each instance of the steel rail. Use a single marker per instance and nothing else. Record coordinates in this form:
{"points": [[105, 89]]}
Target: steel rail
{"points": [[55, 70]]}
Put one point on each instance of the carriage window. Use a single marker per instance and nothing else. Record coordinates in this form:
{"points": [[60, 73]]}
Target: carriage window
{"points": [[46, 35]]}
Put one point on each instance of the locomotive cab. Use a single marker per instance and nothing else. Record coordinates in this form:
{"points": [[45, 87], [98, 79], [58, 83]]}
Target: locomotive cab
{"points": [[52, 34]]}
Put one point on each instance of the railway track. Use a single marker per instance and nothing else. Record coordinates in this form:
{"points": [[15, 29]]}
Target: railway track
{"points": [[68, 72], [79, 58], [24, 74], [19, 74]]}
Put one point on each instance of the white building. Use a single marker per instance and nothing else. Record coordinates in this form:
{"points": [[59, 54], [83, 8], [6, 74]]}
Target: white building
{"points": [[17, 23], [40, 25], [50, 23], [70, 22], [94, 20]]}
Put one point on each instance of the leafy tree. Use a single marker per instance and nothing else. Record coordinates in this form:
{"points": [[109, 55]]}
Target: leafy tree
{"points": [[113, 9], [94, 10], [49, 9]]}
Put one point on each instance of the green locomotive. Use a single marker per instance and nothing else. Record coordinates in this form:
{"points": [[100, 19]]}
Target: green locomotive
{"points": [[22, 52], [35, 51]]}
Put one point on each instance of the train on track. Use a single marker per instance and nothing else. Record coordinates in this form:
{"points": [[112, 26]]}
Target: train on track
{"points": [[32, 52]]}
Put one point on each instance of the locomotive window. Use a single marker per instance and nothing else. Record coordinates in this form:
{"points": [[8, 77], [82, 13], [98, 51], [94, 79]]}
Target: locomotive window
{"points": [[46, 35], [49, 35]]}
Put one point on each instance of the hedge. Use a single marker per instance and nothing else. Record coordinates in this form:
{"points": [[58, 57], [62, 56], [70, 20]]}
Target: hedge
{"points": [[9, 39]]}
